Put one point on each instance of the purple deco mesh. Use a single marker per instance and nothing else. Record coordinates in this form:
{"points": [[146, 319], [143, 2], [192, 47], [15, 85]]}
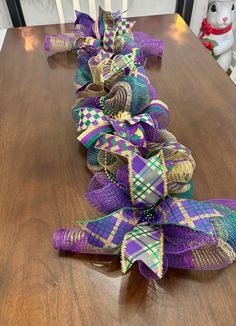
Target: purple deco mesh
{"points": [[105, 196], [74, 239]]}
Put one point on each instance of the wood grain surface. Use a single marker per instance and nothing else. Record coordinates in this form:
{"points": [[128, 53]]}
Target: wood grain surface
{"points": [[43, 178]]}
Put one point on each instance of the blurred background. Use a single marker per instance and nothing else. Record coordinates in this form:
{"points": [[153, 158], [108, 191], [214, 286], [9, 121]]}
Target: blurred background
{"points": [[40, 12], [17, 13]]}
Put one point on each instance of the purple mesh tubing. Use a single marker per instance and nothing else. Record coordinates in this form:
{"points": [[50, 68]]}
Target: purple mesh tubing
{"points": [[86, 21], [81, 89], [58, 43], [99, 251], [83, 18], [122, 176], [128, 46], [98, 181], [83, 31], [151, 134], [80, 30], [148, 273], [88, 101], [149, 45], [184, 260], [47, 39], [182, 239], [153, 92], [105, 196], [74, 239], [84, 57], [225, 202]]}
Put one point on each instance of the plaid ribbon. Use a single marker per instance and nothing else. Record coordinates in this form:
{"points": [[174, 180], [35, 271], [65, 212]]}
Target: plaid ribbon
{"points": [[147, 180], [188, 213], [103, 67], [120, 63], [144, 243], [109, 231]]}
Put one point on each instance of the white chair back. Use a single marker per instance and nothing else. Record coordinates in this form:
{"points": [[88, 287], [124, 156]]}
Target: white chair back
{"points": [[233, 75], [92, 8]]}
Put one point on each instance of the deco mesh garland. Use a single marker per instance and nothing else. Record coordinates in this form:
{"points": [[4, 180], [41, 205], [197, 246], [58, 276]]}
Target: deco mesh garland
{"points": [[141, 174]]}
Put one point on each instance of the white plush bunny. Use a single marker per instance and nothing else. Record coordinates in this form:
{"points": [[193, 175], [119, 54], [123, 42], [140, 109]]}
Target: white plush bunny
{"points": [[216, 31]]}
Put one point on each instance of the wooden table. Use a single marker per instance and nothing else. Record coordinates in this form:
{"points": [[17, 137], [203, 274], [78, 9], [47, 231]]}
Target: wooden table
{"points": [[44, 178]]}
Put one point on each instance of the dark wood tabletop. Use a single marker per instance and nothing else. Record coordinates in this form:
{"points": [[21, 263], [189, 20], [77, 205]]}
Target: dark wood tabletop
{"points": [[43, 179]]}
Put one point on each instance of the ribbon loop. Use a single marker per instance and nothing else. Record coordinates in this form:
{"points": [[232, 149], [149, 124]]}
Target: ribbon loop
{"points": [[147, 180]]}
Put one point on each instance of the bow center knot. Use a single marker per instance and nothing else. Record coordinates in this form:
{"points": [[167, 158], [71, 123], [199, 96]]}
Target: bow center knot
{"points": [[123, 116]]}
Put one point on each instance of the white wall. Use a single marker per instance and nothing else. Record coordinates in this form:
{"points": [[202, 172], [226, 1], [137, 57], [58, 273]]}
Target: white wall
{"points": [[150, 7], [39, 12], [45, 11], [234, 52], [199, 13], [5, 19]]}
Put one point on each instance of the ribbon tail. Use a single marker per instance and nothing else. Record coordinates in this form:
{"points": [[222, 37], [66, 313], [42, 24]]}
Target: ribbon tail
{"points": [[187, 213], [108, 232], [144, 244], [198, 235], [223, 202], [104, 234], [149, 45]]}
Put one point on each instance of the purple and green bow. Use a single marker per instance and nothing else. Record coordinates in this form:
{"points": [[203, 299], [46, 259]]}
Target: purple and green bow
{"points": [[93, 122], [155, 230], [109, 31]]}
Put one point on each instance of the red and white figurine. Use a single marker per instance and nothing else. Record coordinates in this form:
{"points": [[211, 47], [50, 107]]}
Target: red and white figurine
{"points": [[216, 31]]}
